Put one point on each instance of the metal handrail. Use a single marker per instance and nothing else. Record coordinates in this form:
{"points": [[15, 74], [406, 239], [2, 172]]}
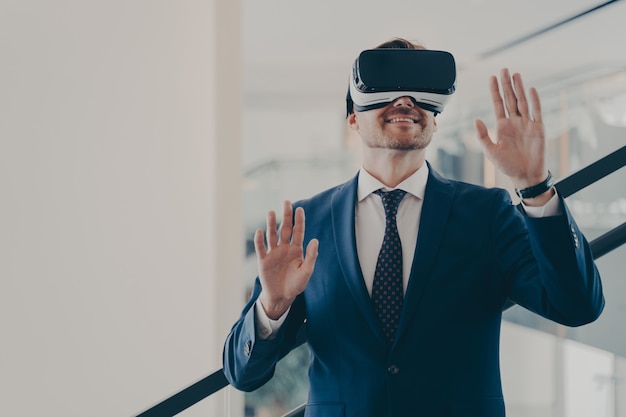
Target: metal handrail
{"points": [[189, 396], [296, 412], [515, 42], [609, 241], [592, 173], [566, 187]]}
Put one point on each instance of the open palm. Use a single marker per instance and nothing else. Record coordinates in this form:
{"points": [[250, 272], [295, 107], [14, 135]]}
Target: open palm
{"points": [[519, 147], [284, 270]]}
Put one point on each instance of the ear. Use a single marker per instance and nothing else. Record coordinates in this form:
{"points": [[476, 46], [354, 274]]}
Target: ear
{"points": [[353, 122], [434, 124]]}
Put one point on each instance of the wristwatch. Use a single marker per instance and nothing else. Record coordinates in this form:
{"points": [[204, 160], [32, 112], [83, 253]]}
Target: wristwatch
{"points": [[535, 190]]}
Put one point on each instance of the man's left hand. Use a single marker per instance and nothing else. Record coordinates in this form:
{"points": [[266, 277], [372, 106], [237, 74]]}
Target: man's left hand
{"points": [[519, 147]]}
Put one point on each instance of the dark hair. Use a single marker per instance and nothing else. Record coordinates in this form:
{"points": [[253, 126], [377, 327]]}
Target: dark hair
{"points": [[400, 43], [395, 43]]}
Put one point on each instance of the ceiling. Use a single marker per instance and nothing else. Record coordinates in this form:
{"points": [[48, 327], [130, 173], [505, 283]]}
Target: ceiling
{"points": [[298, 52]]}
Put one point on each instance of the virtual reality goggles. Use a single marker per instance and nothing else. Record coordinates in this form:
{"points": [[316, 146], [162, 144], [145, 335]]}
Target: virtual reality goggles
{"points": [[380, 76]]}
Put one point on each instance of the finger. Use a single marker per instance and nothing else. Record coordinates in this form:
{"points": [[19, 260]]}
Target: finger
{"points": [[496, 98], [259, 245], [536, 103], [483, 135], [312, 250], [272, 236], [510, 100], [522, 102], [297, 236], [286, 225]]}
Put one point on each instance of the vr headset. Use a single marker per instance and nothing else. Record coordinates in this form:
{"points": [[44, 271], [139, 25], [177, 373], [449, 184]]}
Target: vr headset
{"points": [[380, 76]]}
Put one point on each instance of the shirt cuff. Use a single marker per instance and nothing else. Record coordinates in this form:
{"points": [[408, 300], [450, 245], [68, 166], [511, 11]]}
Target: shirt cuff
{"points": [[267, 328], [551, 208]]}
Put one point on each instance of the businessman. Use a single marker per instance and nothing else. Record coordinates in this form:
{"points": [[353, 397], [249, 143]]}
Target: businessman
{"points": [[400, 276]]}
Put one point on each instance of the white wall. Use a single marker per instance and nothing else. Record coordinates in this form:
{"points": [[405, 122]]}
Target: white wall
{"points": [[545, 375], [112, 118], [530, 371]]}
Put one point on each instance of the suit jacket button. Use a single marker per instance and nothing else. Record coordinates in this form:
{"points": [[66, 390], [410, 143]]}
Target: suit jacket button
{"points": [[247, 348], [393, 370], [575, 237]]}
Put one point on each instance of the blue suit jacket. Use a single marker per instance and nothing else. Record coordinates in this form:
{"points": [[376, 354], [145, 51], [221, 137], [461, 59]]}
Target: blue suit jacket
{"points": [[474, 251]]}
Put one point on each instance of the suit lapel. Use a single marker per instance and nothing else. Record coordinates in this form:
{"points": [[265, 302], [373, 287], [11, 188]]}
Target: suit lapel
{"points": [[343, 211], [437, 203]]}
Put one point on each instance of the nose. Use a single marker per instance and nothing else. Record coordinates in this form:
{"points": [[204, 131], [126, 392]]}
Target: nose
{"points": [[404, 101]]}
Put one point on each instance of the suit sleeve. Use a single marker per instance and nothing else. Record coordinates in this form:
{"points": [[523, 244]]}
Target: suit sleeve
{"points": [[249, 362], [547, 265]]}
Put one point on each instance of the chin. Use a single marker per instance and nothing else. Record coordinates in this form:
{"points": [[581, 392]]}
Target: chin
{"points": [[414, 144], [400, 144]]}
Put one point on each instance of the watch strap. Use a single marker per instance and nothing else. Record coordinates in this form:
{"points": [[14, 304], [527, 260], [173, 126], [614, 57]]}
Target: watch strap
{"points": [[536, 190]]}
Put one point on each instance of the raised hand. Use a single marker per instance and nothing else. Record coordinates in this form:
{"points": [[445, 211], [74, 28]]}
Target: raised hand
{"points": [[284, 270], [519, 147]]}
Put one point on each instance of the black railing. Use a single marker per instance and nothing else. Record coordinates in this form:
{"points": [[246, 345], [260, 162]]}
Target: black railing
{"points": [[608, 241], [191, 395], [544, 30], [587, 176], [566, 187], [592, 173]]}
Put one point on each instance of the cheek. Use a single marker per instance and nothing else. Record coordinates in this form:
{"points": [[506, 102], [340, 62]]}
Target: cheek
{"points": [[367, 125]]}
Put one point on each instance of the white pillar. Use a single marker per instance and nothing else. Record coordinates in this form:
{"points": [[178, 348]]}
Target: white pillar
{"points": [[227, 296], [120, 236]]}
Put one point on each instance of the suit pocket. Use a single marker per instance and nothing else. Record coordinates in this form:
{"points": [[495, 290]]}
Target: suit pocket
{"points": [[324, 410]]}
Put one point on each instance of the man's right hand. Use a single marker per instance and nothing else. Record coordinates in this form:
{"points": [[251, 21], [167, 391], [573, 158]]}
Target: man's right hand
{"points": [[284, 270]]}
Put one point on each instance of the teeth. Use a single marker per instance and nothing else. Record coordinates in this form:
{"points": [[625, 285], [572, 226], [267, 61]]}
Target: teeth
{"points": [[401, 119]]}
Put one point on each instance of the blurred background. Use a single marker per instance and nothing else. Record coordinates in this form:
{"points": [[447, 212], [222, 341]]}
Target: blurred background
{"points": [[142, 142]]}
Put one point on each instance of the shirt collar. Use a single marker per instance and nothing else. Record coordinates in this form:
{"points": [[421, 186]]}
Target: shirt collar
{"points": [[415, 184]]}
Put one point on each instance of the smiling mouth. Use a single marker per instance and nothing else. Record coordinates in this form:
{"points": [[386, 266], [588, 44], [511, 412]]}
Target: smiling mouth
{"points": [[402, 119]]}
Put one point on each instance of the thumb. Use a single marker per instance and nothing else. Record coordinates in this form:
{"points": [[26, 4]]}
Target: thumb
{"points": [[483, 136]]}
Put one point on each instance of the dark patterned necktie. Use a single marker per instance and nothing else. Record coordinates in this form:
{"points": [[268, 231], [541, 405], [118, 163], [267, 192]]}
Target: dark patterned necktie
{"points": [[387, 290]]}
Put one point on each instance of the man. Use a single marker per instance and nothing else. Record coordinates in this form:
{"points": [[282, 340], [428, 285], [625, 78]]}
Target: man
{"points": [[401, 292]]}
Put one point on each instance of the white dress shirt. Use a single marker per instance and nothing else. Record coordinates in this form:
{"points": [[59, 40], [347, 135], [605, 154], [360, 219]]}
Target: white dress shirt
{"points": [[370, 221], [370, 230]]}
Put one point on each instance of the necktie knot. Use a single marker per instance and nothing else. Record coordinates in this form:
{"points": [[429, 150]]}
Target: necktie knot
{"points": [[391, 201]]}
